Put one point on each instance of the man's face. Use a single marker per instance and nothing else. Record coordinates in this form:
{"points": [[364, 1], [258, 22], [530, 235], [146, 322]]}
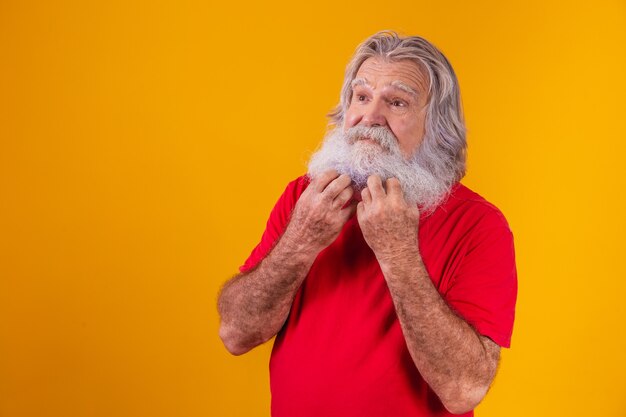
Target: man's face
{"points": [[392, 95]]}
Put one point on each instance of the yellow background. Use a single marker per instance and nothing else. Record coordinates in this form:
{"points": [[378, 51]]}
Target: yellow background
{"points": [[142, 145]]}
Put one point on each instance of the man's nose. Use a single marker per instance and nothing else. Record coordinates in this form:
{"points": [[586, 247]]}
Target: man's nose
{"points": [[374, 115]]}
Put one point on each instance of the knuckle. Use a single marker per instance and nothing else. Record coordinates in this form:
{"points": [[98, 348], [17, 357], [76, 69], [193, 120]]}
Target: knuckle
{"points": [[315, 183], [331, 174], [326, 197], [333, 188]]}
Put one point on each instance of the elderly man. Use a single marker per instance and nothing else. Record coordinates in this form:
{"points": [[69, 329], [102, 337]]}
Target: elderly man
{"points": [[389, 285]]}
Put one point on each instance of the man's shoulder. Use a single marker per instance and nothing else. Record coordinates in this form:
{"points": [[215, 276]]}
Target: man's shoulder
{"points": [[464, 201], [300, 182], [297, 186], [292, 192]]}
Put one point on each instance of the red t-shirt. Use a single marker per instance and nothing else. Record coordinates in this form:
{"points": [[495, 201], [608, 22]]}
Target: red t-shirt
{"points": [[341, 351]]}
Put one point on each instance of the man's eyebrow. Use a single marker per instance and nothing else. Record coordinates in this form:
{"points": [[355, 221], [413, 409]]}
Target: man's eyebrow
{"points": [[406, 88], [360, 81], [396, 84]]}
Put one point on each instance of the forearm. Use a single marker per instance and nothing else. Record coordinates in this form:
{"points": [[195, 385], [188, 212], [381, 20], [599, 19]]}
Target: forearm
{"points": [[253, 306], [449, 354]]}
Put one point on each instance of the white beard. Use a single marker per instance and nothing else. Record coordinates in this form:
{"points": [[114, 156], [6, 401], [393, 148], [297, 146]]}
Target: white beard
{"points": [[349, 154]]}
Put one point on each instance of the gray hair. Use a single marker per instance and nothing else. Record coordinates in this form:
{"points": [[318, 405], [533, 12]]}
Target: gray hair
{"points": [[444, 148]]}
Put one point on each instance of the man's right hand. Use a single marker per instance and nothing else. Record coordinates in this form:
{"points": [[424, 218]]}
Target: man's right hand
{"points": [[319, 214]]}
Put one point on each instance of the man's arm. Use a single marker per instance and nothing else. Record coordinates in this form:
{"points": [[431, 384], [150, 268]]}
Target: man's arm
{"points": [[455, 361], [253, 306]]}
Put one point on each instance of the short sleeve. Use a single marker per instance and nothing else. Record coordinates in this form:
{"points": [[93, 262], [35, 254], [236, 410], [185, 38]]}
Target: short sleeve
{"points": [[277, 222], [484, 289]]}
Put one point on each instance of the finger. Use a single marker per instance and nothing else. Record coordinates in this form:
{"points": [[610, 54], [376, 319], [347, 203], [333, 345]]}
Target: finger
{"points": [[343, 197], [366, 196], [360, 211], [349, 210], [320, 182], [394, 189], [336, 186], [375, 185]]}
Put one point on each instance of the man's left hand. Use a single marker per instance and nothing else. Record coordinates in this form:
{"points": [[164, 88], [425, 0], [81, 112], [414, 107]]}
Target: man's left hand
{"points": [[389, 224]]}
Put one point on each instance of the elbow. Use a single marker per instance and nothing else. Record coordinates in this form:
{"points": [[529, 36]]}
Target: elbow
{"points": [[460, 407], [465, 400], [468, 391], [234, 345], [235, 349]]}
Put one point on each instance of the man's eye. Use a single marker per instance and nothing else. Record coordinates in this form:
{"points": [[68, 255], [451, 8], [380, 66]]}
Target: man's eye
{"points": [[361, 97], [398, 103]]}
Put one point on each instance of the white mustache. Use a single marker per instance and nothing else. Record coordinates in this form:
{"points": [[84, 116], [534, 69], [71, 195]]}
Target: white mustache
{"points": [[379, 134]]}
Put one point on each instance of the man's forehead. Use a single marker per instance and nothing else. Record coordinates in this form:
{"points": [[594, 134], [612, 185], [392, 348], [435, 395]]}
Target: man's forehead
{"points": [[405, 75]]}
